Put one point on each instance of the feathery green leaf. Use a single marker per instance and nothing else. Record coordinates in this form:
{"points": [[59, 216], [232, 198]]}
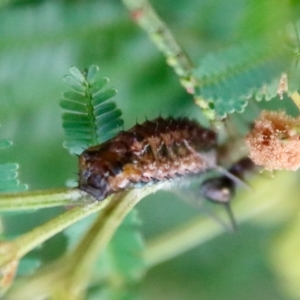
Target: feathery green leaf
{"points": [[88, 110], [228, 78]]}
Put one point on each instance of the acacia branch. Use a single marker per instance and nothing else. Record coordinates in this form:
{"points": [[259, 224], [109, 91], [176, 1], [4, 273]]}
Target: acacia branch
{"points": [[42, 199], [16, 249], [70, 274], [143, 13]]}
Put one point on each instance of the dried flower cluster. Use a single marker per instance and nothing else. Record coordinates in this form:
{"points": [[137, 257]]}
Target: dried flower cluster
{"points": [[274, 142]]}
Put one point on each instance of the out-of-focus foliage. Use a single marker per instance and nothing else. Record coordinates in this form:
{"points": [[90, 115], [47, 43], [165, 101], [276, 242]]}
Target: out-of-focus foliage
{"points": [[40, 40], [284, 256], [227, 79]]}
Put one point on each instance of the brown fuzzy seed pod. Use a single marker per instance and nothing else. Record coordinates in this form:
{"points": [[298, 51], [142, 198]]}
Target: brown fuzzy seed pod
{"points": [[274, 142], [154, 151]]}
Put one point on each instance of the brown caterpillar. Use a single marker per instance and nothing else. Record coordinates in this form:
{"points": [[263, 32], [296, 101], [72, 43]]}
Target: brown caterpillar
{"points": [[154, 151]]}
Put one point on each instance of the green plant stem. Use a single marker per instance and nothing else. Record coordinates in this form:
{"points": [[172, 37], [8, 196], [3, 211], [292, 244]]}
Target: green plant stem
{"points": [[96, 240], [265, 201], [267, 194], [71, 273], [143, 13], [91, 113], [41, 199], [28, 241]]}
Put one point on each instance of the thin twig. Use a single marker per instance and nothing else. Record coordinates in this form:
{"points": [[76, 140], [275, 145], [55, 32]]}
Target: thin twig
{"points": [[41, 199], [28, 241], [71, 272], [143, 13], [263, 199], [97, 238]]}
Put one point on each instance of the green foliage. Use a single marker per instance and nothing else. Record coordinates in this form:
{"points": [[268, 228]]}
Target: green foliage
{"points": [[125, 251], [228, 78], [90, 118]]}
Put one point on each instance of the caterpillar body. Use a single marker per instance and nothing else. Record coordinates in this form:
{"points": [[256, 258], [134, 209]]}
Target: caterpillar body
{"points": [[157, 150]]}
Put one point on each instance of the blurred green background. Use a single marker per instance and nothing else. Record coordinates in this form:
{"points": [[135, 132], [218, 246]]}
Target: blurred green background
{"points": [[40, 40]]}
